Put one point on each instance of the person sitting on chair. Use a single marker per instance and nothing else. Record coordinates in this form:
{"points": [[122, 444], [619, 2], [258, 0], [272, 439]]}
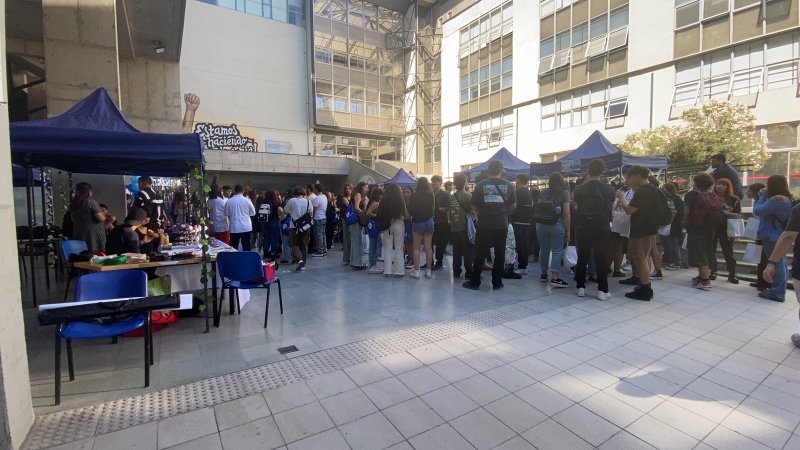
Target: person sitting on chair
{"points": [[124, 238]]}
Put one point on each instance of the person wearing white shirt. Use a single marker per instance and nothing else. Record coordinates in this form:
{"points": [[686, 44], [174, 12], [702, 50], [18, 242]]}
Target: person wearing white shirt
{"points": [[216, 209], [238, 210], [297, 207], [320, 203]]}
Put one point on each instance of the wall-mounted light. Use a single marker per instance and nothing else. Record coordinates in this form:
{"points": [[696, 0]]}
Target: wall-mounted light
{"points": [[159, 49]]}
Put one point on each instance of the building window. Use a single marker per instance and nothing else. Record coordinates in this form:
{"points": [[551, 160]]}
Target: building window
{"points": [[486, 29], [488, 131], [486, 80], [291, 12], [745, 69], [583, 106]]}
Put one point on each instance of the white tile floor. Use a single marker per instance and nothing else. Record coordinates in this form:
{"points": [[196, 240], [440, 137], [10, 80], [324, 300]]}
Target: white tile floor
{"points": [[690, 369]]}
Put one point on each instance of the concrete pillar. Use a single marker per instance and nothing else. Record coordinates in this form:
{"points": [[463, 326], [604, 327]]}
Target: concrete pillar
{"points": [[16, 409], [80, 50]]}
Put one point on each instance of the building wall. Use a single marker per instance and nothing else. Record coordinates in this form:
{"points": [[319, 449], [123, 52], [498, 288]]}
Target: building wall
{"points": [[248, 71], [151, 94], [650, 75]]}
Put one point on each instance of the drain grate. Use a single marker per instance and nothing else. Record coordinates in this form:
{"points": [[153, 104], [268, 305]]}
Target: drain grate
{"points": [[289, 349]]}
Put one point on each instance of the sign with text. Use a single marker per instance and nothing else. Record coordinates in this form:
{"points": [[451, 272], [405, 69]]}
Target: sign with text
{"points": [[225, 137]]}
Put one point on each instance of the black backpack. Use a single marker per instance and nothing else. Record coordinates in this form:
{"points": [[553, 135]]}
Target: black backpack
{"points": [[545, 213], [665, 207], [593, 210]]}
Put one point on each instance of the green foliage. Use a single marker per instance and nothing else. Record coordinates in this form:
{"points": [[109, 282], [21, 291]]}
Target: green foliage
{"points": [[711, 128]]}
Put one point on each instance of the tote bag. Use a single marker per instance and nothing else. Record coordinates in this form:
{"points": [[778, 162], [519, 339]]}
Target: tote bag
{"points": [[620, 222], [735, 228], [752, 253], [751, 228], [570, 258]]}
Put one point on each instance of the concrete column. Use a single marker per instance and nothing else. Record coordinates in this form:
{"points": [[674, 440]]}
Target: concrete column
{"points": [[80, 50], [16, 409]]}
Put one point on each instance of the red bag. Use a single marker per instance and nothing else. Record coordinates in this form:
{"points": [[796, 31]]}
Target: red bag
{"points": [[158, 321], [269, 270]]}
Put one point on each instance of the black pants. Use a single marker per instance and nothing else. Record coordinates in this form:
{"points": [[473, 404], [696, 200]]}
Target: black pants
{"points": [[484, 240], [463, 252], [441, 234], [521, 239], [244, 238], [330, 229], [597, 241], [721, 239]]}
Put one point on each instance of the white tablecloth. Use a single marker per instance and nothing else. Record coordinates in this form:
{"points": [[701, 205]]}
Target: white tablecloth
{"points": [[187, 278]]}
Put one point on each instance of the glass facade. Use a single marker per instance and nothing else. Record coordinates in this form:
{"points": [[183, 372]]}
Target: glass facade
{"points": [[364, 150], [287, 11], [359, 73]]}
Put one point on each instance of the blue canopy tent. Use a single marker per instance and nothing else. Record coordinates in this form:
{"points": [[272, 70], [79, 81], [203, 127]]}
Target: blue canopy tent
{"points": [[594, 147], [95, 137], [401, 178], [512, 166]]}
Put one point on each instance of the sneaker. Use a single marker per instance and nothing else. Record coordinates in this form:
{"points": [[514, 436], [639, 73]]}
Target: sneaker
{"points": [[619, 275], [643, 293], [656, 275], [632, 281], [581, 292], [375, 269], [409, 266], [559, 283], [380, 258], [301, 266], [732, 279], [318, 254], [627, 266], [672, 266], [512, 275], [699, 283], [424, 266], [428, 273], [603, 296], [399, 275], [712, 277], [286, 261], [543, 278], [358, 267], [438, 266], [414, 274], [796, 340], [769, 296], [497, 287], [521, 271], [469, 285]]}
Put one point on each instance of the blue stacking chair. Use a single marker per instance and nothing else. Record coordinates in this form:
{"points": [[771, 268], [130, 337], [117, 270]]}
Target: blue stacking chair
{"points": [[101, 286], [243, 270], [69, 248]]}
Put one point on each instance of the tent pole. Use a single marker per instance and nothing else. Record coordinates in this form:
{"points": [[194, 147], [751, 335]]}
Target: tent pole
{"points": [[44, 200], [29, 192]]}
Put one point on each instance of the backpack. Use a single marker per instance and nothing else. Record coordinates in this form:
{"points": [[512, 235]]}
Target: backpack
{"points": [[707, 211], [546, 213], [665, 208], [285, 225], [264, 213], [593, 210], [372, 228]]}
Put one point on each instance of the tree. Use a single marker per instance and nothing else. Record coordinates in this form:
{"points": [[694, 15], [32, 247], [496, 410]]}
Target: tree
{"points": [[711, 128]]}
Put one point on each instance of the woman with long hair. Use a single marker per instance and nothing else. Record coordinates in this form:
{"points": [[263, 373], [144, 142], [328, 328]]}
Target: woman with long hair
{"points": [[375, 197], [343, 202], [392, 210], [88, 218], [731, 209], [408, 240], [179, 208], [421, 210], [553, 238], [356, 230], [773, 208]]}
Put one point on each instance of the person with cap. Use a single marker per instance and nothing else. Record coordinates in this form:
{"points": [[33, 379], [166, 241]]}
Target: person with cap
{"points": [[124, 238]]}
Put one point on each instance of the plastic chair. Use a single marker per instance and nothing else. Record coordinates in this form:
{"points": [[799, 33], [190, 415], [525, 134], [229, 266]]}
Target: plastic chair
{"points": [[101, 286], [243, 270], [69, 248]]}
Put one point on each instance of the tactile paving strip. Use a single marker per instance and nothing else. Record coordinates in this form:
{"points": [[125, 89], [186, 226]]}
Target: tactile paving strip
{"points": [[73, 425]]}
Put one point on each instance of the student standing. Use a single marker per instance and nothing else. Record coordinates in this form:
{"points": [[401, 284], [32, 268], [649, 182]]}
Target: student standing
{"points": [[441, 232], [773, 207], [703, 212], [553, 237], [238, 210], [459, 209], [787, 240], [320, 203], [297, 207], [521, 221]]}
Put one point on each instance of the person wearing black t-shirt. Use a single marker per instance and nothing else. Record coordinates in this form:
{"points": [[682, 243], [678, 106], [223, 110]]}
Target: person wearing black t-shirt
{"points": [[152, 202], [493, 200], [788, 239], [124, 238], [441, 230], [644, 227], [521, 221]]}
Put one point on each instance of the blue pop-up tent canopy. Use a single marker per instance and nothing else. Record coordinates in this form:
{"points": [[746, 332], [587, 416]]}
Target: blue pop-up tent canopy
{"points": [[596, 147], [20, 179], [512, 166], [402, 179], [95, 137]]}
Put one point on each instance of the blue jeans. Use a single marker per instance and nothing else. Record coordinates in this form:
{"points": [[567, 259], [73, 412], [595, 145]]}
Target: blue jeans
{"points": [[271, 238], [356, 253], [672, 249], [374, 249], [551, 241], [319, 235], [778, 288]]}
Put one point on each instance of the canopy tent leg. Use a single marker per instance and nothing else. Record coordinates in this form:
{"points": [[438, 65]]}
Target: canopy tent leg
{"points": [[29, 196], [44, 197]]}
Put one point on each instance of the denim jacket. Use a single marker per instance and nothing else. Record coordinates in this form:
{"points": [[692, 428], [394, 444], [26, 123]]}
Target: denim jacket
{"points": [[773, 214]]}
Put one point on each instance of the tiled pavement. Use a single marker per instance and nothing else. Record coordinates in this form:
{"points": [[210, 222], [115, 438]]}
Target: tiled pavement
{"points": [[691, 369]]}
